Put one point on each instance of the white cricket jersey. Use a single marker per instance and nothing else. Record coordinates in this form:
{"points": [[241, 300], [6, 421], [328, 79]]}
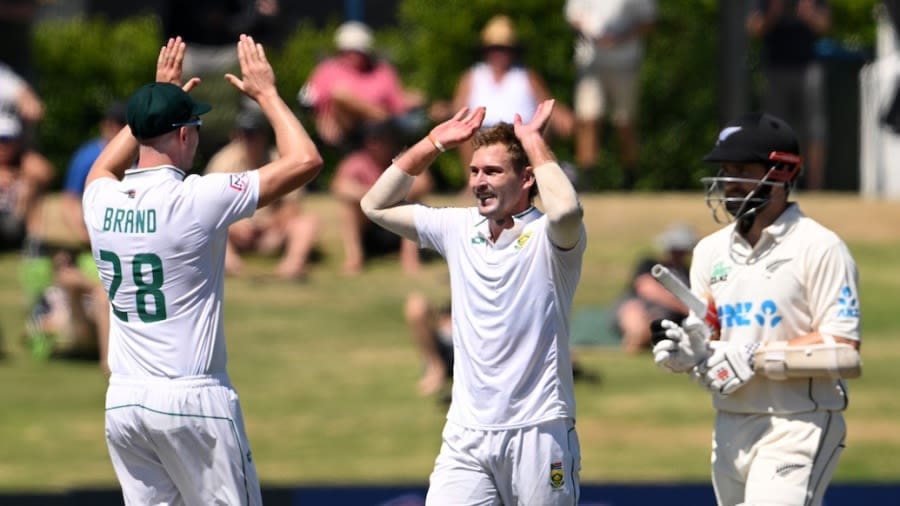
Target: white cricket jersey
{"points": [[510, 302], [159, 242], [799, 278], [504, 99]]}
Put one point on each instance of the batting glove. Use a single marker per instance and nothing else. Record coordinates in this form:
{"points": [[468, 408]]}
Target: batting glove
{"points": [[728, 368], [679, 348]]}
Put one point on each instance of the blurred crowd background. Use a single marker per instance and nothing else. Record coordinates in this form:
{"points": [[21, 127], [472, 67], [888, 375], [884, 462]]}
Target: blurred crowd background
{"points": [[700, 67]]}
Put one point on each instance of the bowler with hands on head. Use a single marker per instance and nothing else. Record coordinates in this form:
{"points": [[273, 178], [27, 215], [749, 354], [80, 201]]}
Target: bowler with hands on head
{"points": [[786, 291], [174, 427], [510, 433]]}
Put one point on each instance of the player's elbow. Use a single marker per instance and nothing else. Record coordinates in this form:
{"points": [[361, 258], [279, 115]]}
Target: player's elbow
{"points": [[568, 217], [369, 206], [306, 165]]}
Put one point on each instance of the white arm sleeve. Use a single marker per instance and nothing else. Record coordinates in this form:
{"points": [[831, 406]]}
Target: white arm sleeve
{"points": [[384, 204], [778, 361], [561, 205]]}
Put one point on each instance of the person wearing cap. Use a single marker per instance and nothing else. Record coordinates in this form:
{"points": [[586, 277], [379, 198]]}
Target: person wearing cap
{"points": [[174, 428], [787, 331], [501, 84], [282, 227], [645, 299], [353, 87], [25, 176], [608, 54]]}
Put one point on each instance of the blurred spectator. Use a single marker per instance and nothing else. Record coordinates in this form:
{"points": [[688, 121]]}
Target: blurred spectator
{"points": [[355, 87], [353, 178], [70, 318], [17, 97], [282, 226], [431, 329], [608, 54], [73, 187], [645, 299], [794, 79], [210, 28], [24, 177], [503, 84]]}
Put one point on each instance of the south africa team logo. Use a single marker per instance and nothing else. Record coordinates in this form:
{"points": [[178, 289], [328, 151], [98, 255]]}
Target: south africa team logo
{"points": [[520, 242], [557, 478]]}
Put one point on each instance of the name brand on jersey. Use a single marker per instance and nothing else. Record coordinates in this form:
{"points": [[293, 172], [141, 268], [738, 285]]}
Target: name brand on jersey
{"points": [[129, 221], [746, 314]]}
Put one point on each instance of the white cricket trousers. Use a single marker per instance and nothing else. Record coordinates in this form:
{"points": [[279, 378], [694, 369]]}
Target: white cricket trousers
{"points": [[772, 460], [179, 442], [530, 466]]}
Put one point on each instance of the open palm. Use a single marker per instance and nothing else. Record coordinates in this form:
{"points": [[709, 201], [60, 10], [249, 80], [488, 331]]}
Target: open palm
{"points": [[460, 128]]}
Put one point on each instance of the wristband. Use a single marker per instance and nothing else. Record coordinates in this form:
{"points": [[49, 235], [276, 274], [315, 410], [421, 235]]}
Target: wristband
{"points": [[437, 144]]}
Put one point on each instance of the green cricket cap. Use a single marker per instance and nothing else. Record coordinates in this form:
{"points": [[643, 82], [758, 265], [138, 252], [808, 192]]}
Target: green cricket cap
{"points": [[159, 108]]}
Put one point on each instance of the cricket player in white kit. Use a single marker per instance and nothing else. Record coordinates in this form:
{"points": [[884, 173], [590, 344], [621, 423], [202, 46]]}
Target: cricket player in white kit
{"points": [[173, 421], [510, 432], [786, 294]]}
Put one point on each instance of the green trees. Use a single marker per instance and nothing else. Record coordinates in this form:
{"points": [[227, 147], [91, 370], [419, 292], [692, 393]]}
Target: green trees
{"points": [[82, 64]]}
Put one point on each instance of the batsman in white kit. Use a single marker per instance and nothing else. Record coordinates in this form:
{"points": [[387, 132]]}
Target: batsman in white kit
{"points": [[173, 420], [510, 432], [784, 335]]}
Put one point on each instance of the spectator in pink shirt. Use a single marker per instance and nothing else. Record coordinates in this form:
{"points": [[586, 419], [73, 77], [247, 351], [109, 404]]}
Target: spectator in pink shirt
{"points": [[354, 87], [354, 176]]}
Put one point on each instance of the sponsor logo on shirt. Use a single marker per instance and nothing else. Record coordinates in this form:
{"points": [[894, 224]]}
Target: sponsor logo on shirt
{"points": [[746, 314], [848, 303], [720, 273], [478, 240], [238, 181], [520, 242], [557, 477]]}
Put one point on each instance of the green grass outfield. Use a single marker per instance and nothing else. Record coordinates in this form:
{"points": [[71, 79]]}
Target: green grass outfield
{"points": [[327, 374]]}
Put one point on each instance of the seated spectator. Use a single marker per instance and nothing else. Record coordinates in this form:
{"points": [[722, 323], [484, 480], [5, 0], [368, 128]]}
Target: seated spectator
{"points": [[70, 318], [432, 332], [355, 87], [354, 176], [282, 226], [645, 299], [500, 82], [24, 178], [112, 122], [431, 328]]}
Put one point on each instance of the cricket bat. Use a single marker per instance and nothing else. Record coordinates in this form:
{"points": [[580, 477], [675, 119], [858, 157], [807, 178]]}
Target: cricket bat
{"points": [[705, 310]]}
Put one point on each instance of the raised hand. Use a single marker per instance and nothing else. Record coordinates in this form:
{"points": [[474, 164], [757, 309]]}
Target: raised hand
{"points": [[537, 124], [170, 62], [257, 76], [458, 129]]}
